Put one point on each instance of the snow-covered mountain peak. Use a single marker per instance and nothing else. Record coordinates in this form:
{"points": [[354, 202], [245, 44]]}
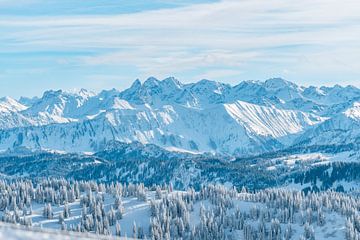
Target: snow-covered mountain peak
{"points": [[279, 83], [8, 104], [7, 99], [171, 83], [58, 107], [81, 93], [135, 85], [249, 118], [105, 94], [49, 94], [354, 111], [314, 92], [338, 94], [209, 86], [151, 82], [153, 91]]}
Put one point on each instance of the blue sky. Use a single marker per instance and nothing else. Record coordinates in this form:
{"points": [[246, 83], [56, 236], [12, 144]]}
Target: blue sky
{"points": [[72, 44]]}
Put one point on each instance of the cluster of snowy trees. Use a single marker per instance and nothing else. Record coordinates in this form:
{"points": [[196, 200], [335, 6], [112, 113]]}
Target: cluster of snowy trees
{"points": [[213, 212], [17, 198], [272, 214]]}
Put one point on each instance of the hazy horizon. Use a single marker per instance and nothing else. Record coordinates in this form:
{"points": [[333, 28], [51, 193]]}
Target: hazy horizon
{"points": [[97, 91]]}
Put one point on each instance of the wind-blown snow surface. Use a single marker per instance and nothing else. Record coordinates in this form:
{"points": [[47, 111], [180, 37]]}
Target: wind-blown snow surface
{"points": [[206, 116], [14, 232]]}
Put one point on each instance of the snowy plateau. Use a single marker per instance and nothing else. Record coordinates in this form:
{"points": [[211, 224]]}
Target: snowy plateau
{"points": [[168, 160]]}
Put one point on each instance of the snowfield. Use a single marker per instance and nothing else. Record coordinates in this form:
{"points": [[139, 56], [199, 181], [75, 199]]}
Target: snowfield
{"points": [[15, 232]]}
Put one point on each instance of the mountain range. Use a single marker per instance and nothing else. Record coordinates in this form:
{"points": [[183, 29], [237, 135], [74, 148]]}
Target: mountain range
{"points": [[250, 118]]}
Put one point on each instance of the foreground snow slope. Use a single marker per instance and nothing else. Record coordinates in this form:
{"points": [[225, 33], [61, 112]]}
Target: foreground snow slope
{"points": [[15, 232]]}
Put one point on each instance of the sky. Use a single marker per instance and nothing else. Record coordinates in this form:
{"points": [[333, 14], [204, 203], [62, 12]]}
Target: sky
{"points": [[97, 44]]}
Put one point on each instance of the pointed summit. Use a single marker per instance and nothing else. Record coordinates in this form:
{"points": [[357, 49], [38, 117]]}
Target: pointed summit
{"points": [[208, 86], [172, 82], [135, 87], [10, 104], [151, 81], [51, 94], [132, 94], [276, 83], [136, 84], [85, 93]]}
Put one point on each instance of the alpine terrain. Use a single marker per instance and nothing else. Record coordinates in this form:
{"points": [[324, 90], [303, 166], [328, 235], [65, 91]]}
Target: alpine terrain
{"points": [[170, 160], [250, 118]]}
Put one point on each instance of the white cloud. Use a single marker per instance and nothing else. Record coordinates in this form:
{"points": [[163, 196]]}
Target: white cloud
{"points": [[218, 73], [308, 36], [170, 60]]}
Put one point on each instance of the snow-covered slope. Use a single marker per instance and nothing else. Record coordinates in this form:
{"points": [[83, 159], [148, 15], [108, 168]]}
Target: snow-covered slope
{"points": [[8, 104], [270, 121], [343, 128], [207, 116], [9, 113], [16, 232], [229, 128]]}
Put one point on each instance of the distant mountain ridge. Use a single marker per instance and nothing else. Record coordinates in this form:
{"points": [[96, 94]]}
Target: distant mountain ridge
{"points": [[250, 118]]}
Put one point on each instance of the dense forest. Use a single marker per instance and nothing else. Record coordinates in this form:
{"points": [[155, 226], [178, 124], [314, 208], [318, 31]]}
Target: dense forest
{"points": [[161, 212]]}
